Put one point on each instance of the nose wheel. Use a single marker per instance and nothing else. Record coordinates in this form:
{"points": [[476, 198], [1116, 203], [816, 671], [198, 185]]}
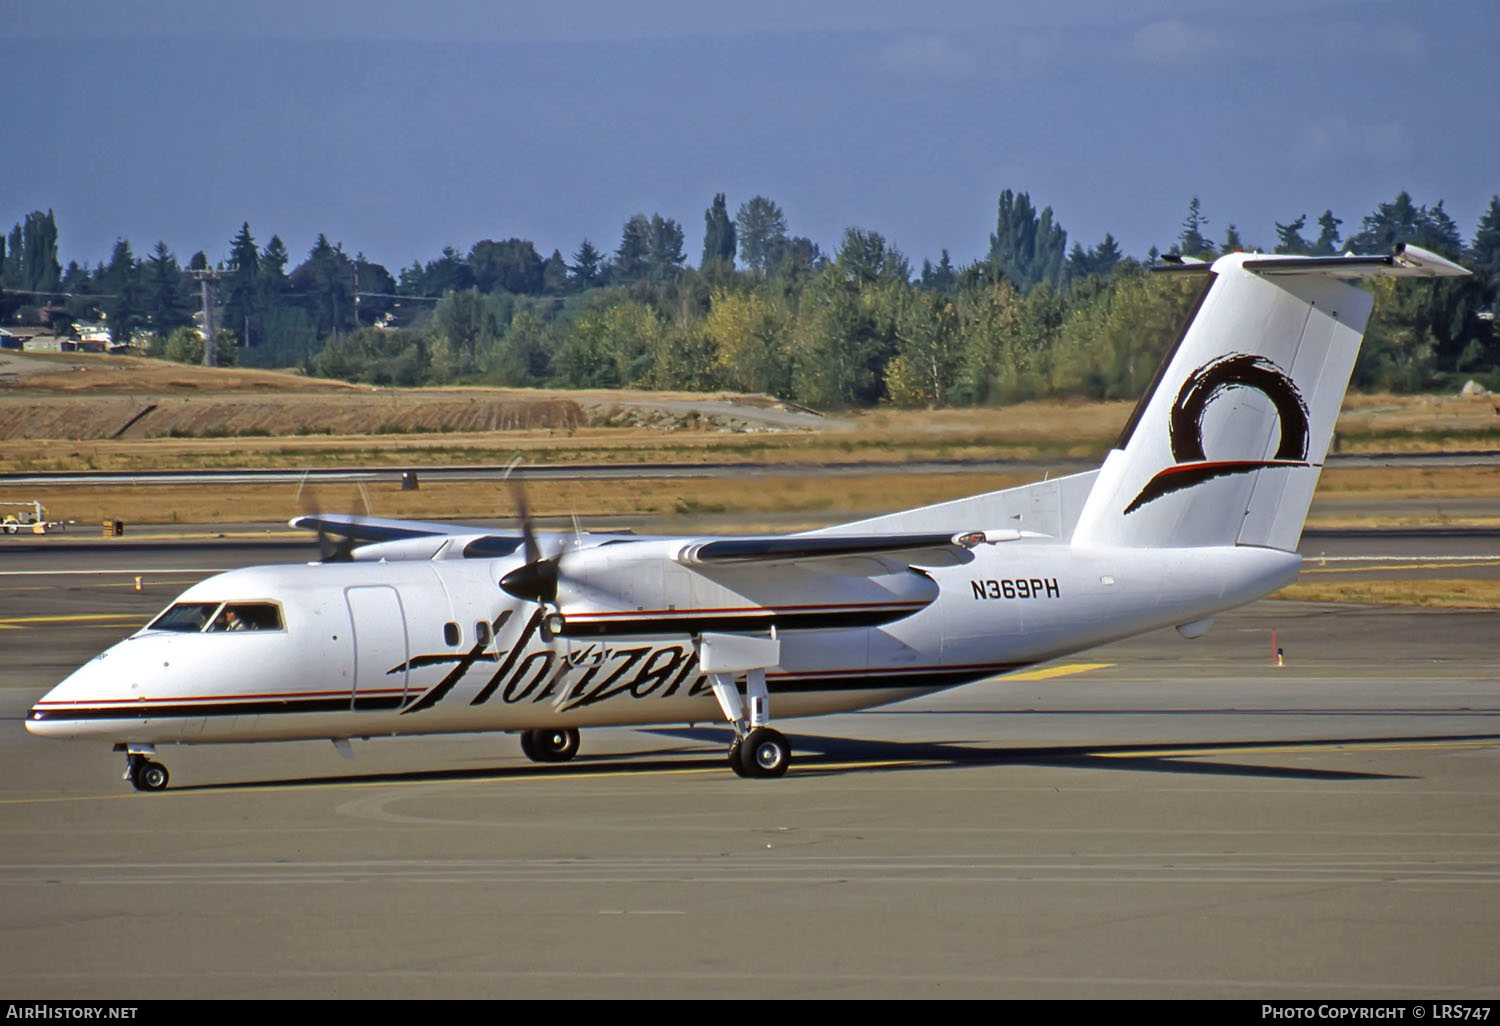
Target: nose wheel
{"points": [[144, 774], [550, 745]]}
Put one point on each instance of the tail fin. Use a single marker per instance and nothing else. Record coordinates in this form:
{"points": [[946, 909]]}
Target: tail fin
{"points": [[1226, 447]]}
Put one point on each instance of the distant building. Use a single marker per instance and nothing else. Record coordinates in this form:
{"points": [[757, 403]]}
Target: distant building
{"points": [[91, 331]]}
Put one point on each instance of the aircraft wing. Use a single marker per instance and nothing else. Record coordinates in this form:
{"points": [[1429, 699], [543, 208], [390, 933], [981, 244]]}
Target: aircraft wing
{"points": [[803, 548], [374, 529]]}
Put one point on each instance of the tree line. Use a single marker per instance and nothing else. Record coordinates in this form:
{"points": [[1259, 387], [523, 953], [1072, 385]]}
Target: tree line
{"points": [[763, 309]]}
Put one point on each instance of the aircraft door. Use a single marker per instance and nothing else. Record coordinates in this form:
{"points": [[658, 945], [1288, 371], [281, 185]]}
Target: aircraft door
{"points": [[380, 646]]}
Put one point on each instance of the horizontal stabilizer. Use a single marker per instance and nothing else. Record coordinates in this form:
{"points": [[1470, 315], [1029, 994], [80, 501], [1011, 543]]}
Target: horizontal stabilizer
{"points": [[1406, 261]]}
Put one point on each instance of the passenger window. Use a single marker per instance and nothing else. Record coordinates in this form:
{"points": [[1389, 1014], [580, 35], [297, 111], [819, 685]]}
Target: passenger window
{"points": [[482, 632], [248, 616], [451, 633]]}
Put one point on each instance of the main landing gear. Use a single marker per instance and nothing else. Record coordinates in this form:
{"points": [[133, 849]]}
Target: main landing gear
{"points": [[761, 753], [143, 774], [757, 750], [558, 745]]}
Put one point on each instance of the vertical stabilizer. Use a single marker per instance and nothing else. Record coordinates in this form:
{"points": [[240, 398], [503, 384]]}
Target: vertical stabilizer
{"points": [[1227, 446]]}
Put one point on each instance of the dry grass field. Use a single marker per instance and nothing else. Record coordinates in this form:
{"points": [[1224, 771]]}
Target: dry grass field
{"points": [[70, 413]]}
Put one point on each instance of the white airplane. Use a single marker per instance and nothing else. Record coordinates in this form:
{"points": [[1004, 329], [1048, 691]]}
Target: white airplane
{"points": [[420, 628]]}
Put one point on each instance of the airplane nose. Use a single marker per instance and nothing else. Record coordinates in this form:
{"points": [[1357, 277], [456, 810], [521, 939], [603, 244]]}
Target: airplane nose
{"points": [[91, 684]]}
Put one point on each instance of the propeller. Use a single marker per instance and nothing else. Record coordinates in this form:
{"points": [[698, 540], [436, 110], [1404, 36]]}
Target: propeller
{"points": [[332, 548], [536, 579]]}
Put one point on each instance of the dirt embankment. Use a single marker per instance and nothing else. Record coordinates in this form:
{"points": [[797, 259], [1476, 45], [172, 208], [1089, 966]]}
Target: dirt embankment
{"points": [[277, 415], [83, 398]]}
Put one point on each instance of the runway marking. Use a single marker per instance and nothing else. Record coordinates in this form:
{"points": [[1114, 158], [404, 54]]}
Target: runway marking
{"points": [[92, 573], [1448, 563], [1368, 559], [15, 621], [1252, 988], [1313, 746], [1049, 672], [427, 781]]}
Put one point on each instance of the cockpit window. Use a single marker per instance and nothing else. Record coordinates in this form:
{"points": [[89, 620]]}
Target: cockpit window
{"points": [[188, 617], [248, 616], [192, 617]]}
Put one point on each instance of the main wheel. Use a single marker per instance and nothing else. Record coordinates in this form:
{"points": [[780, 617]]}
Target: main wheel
{"points": [[737, 759], [527, 747], [150, 776], [765, 753], [552, 745]]}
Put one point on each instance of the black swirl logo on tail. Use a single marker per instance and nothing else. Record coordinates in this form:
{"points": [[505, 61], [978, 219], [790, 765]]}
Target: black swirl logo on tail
{"points": [[1203, 386]]}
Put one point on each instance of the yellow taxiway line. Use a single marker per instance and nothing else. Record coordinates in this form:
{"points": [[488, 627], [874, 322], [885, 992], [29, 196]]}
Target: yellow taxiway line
{"points": [[1049, 672]]}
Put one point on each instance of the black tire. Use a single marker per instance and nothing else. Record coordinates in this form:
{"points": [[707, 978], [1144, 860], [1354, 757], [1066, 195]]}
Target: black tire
{"points": [[765, 753], [527, 747], [150, 776], [737, 759], [553, 745]]}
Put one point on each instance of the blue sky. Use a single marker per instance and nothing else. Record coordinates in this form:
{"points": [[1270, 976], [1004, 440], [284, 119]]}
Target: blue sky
{"points": [[397, 129]]}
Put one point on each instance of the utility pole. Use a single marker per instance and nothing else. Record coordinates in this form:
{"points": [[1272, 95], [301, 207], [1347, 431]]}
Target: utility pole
{"points": [[206, 277]]}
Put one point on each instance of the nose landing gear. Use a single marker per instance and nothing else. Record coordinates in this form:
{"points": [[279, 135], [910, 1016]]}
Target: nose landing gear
{"points": [[141, 771], [550, 745]]}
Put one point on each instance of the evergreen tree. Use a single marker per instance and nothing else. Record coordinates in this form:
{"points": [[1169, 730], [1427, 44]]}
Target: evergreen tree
{"points": [[448, 273], [760, 227], [512, 266], [325, 282], [1027, 247], [664, 252], [464, 326], [373, 289], [719, 241], [632, 259], [1483, 256], [1289, 237], [942, 278], [1190, 240], [242, 297], [273, 284], [168, 305], [555, 274], [126, 311], [1401, 220], [76, 278], [1328, 242], [31, 263], [10, 271], [587, 269], [1440, 234], [864, 259], [800, 257], [1098, 261]]}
